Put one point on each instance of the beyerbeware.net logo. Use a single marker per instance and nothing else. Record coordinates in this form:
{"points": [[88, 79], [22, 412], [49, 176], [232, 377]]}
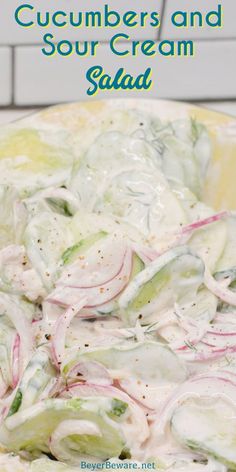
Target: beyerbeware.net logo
{"points": [[116, 465]]}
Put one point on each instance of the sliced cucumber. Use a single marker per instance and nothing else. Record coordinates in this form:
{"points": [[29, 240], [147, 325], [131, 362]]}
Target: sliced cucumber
{"points": [[228, 258], [209, 243], [150, 290], [30, 159], [201, 309], [32, 428], [47, 465], [176, 274], [36, 377], [71, 253], [46, 238], [16, 403], [148, 361], [209, 427], [185, 461], [138, 266], [11, 462]]}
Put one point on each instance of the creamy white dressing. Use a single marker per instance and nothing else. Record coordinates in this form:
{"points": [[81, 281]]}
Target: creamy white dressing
{"points": [[114, 220]]}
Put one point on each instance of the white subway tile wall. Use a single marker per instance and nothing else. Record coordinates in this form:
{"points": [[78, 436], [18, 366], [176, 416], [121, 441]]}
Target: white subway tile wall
{"points": [[198, 77], [14, 34], [5, 76], [228, 30], [28, 78]]}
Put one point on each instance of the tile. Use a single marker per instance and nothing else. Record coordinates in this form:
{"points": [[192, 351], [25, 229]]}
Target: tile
{"points": [[5, 76], [9, 116], [228, 29], [40, 80], [210, 74], [228, 107], [12, 33]]}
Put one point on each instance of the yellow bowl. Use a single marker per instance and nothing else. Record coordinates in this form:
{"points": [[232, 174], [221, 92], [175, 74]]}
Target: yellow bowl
{"points": [[85, 120]]}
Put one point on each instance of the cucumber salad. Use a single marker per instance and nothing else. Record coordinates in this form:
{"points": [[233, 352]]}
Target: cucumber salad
{"points": [[117, 300]]}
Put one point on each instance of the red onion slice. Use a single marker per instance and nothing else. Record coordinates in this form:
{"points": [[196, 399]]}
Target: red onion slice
{"points": [[204, 222], [15, 361], [91, 371], [97, 266], [95, 296], [222, 292], [215, 384], [62, 324]]}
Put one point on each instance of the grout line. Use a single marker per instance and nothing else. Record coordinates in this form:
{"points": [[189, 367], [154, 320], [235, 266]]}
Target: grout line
{"points": [[14, 107], [13, 76], [209, 100], [188, 100], [162, 18], [201, 40]]}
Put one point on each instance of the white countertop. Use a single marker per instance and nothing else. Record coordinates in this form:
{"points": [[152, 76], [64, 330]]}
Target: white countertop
{"points": [[8, 115]]}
